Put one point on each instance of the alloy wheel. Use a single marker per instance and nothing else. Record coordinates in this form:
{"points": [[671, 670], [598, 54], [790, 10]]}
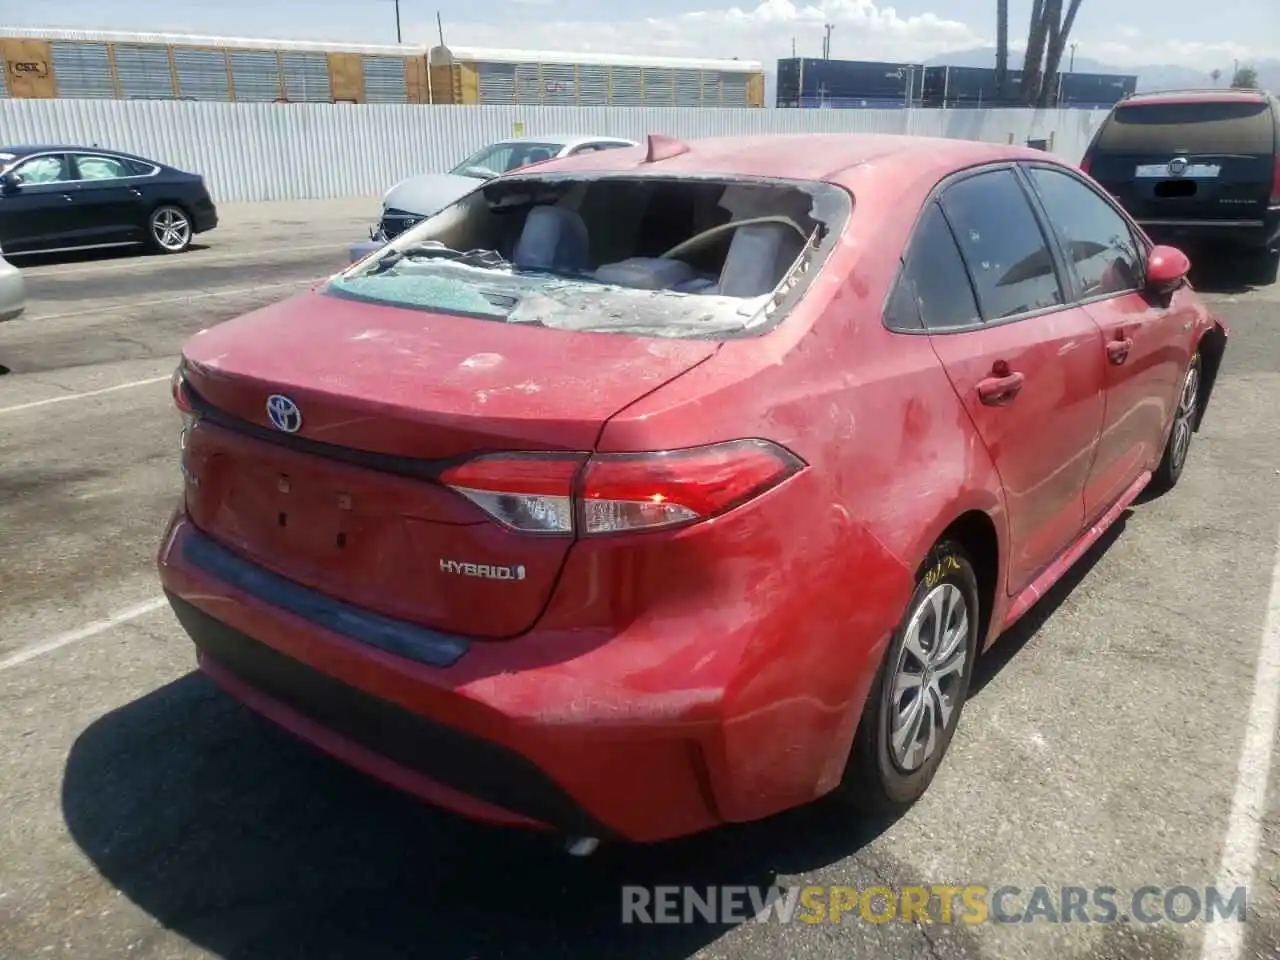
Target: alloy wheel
{"points": [[1184, 417], [170, 228], [929, 670]]}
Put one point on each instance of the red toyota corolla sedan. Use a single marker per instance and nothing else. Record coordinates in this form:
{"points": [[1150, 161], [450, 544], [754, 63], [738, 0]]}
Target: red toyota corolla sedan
{"points": [[659, 488]]}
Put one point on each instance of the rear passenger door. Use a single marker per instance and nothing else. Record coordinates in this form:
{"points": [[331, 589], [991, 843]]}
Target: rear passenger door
{"points": [[110, 207], [1148, 343], [1025, 364]]}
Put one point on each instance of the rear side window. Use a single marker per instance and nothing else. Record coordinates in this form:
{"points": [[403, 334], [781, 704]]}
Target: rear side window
{"points": [[1204, 127], [1097, 239], [933, 288], [1002, 245]]}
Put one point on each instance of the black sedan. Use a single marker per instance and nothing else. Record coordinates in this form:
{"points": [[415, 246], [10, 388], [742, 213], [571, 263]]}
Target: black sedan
{"points": [[61, 198]]}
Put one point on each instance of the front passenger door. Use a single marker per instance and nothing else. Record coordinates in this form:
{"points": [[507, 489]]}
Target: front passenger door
{"points": [[38, 213], [1027, 365], [1147, 344]]}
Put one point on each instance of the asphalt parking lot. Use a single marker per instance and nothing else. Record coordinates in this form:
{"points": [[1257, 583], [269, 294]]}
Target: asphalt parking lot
{"points": [[1113, 739]]}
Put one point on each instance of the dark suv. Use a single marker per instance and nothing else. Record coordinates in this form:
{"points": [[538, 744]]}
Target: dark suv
{"points": [[1195, 165]]}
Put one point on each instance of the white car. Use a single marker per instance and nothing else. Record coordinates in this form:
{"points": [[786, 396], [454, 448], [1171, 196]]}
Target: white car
{"points": [[417, 198], [13, 293]]}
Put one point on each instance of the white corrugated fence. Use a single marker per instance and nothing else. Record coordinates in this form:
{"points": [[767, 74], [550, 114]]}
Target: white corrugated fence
{"points": [[293, 151]]}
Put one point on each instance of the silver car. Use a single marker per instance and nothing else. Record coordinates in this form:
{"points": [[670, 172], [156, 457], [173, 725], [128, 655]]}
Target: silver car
{"points": [[13, 294], [417, 198]]}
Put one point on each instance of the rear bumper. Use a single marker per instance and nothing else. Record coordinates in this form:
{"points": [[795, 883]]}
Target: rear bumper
{"points": [[204, 217], [638, 738], [1255, 233]]}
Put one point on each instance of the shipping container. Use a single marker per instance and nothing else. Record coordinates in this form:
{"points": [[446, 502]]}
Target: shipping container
{"points": [[969, 87], [1098, 89], [76, 64], [806, 81]]}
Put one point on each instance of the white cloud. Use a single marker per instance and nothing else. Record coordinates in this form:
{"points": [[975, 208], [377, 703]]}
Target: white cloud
{"points": [[1188, 53], [863, 31]]}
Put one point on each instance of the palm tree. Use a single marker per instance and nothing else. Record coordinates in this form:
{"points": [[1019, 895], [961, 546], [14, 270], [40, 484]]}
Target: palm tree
{"points": [[1036, 35], [1002, 48], [1215, 74], [1057, 43]]}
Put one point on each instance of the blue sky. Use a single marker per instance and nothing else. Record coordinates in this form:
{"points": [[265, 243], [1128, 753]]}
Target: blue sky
{"points": [[1121, 32]]}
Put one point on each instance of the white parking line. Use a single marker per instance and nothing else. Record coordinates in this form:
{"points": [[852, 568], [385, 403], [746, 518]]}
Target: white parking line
{"points": [[135, 304], [122, 266], [80, 396], [83, 633], [1224, 940]]}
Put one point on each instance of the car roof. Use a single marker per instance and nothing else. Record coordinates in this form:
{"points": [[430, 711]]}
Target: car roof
{"points": [[564, 140], [27, 150], [824, 157], [1207, 95]]}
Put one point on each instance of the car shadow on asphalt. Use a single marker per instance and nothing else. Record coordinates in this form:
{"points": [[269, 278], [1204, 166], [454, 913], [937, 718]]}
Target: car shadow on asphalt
{"points": [[96, 255], [1229, 272], [256, 847], [1021, 633]]}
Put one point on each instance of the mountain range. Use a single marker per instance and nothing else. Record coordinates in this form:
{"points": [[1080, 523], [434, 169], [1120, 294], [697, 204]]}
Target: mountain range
{"points": [[1150, 77]]}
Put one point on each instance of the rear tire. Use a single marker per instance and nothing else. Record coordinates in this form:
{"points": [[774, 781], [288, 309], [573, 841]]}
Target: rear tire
{"points": [[1178, 445], [169, 229], [1266, 266], [919, 693]]}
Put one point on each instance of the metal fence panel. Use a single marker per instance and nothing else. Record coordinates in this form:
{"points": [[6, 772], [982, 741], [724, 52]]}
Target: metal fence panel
{"points": [[268, 151]]}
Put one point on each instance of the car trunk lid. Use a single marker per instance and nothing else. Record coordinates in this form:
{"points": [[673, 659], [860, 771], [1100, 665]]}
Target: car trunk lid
{"points": [[342, 494]]}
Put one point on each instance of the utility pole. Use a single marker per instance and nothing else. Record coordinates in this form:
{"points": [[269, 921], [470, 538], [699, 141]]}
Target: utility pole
{"points": [[826, 42], [398, 39], [1071, 64], [440, 28], [793, 48]]}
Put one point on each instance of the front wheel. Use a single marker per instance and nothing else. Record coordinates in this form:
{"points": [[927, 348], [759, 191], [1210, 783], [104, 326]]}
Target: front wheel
{"points": [[915, 703], [1178, 445], [169, 229]]}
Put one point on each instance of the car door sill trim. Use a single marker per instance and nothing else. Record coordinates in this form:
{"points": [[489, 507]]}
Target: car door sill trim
{"points": [[1066, 560]]}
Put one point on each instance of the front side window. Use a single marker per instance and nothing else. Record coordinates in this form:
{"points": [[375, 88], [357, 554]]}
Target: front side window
{"points": [[1002, 244], [42, 170], [1097, 239], [102, 168], [504, 157]]}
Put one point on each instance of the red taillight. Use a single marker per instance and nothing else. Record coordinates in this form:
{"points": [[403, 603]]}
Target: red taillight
{"points": [[182, 400], [178, 386], [1085, 164], [620, 492]]}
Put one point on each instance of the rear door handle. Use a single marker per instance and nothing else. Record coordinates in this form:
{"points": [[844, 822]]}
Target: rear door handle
{"points": [[1118, 350], [135, 191], [68, 197], [996, 391]]}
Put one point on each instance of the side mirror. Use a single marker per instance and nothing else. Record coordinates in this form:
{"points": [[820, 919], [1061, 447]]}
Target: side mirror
{"points": [[8, 183], [1167, 269]]}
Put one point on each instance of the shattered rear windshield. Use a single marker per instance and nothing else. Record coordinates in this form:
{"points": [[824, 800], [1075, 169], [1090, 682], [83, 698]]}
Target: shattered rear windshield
{"points": [[685, 258]]}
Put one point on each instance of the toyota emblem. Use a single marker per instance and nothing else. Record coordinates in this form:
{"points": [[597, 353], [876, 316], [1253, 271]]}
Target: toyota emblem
{"points": [[1177, 166], [284, 413]]}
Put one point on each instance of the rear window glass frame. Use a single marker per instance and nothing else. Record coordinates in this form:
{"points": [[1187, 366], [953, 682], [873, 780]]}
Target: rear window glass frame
{"points": [[832, 205]]}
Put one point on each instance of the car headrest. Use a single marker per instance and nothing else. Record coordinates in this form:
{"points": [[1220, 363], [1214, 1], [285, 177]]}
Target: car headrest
{"points": [[758, 256], [553, 238]]}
